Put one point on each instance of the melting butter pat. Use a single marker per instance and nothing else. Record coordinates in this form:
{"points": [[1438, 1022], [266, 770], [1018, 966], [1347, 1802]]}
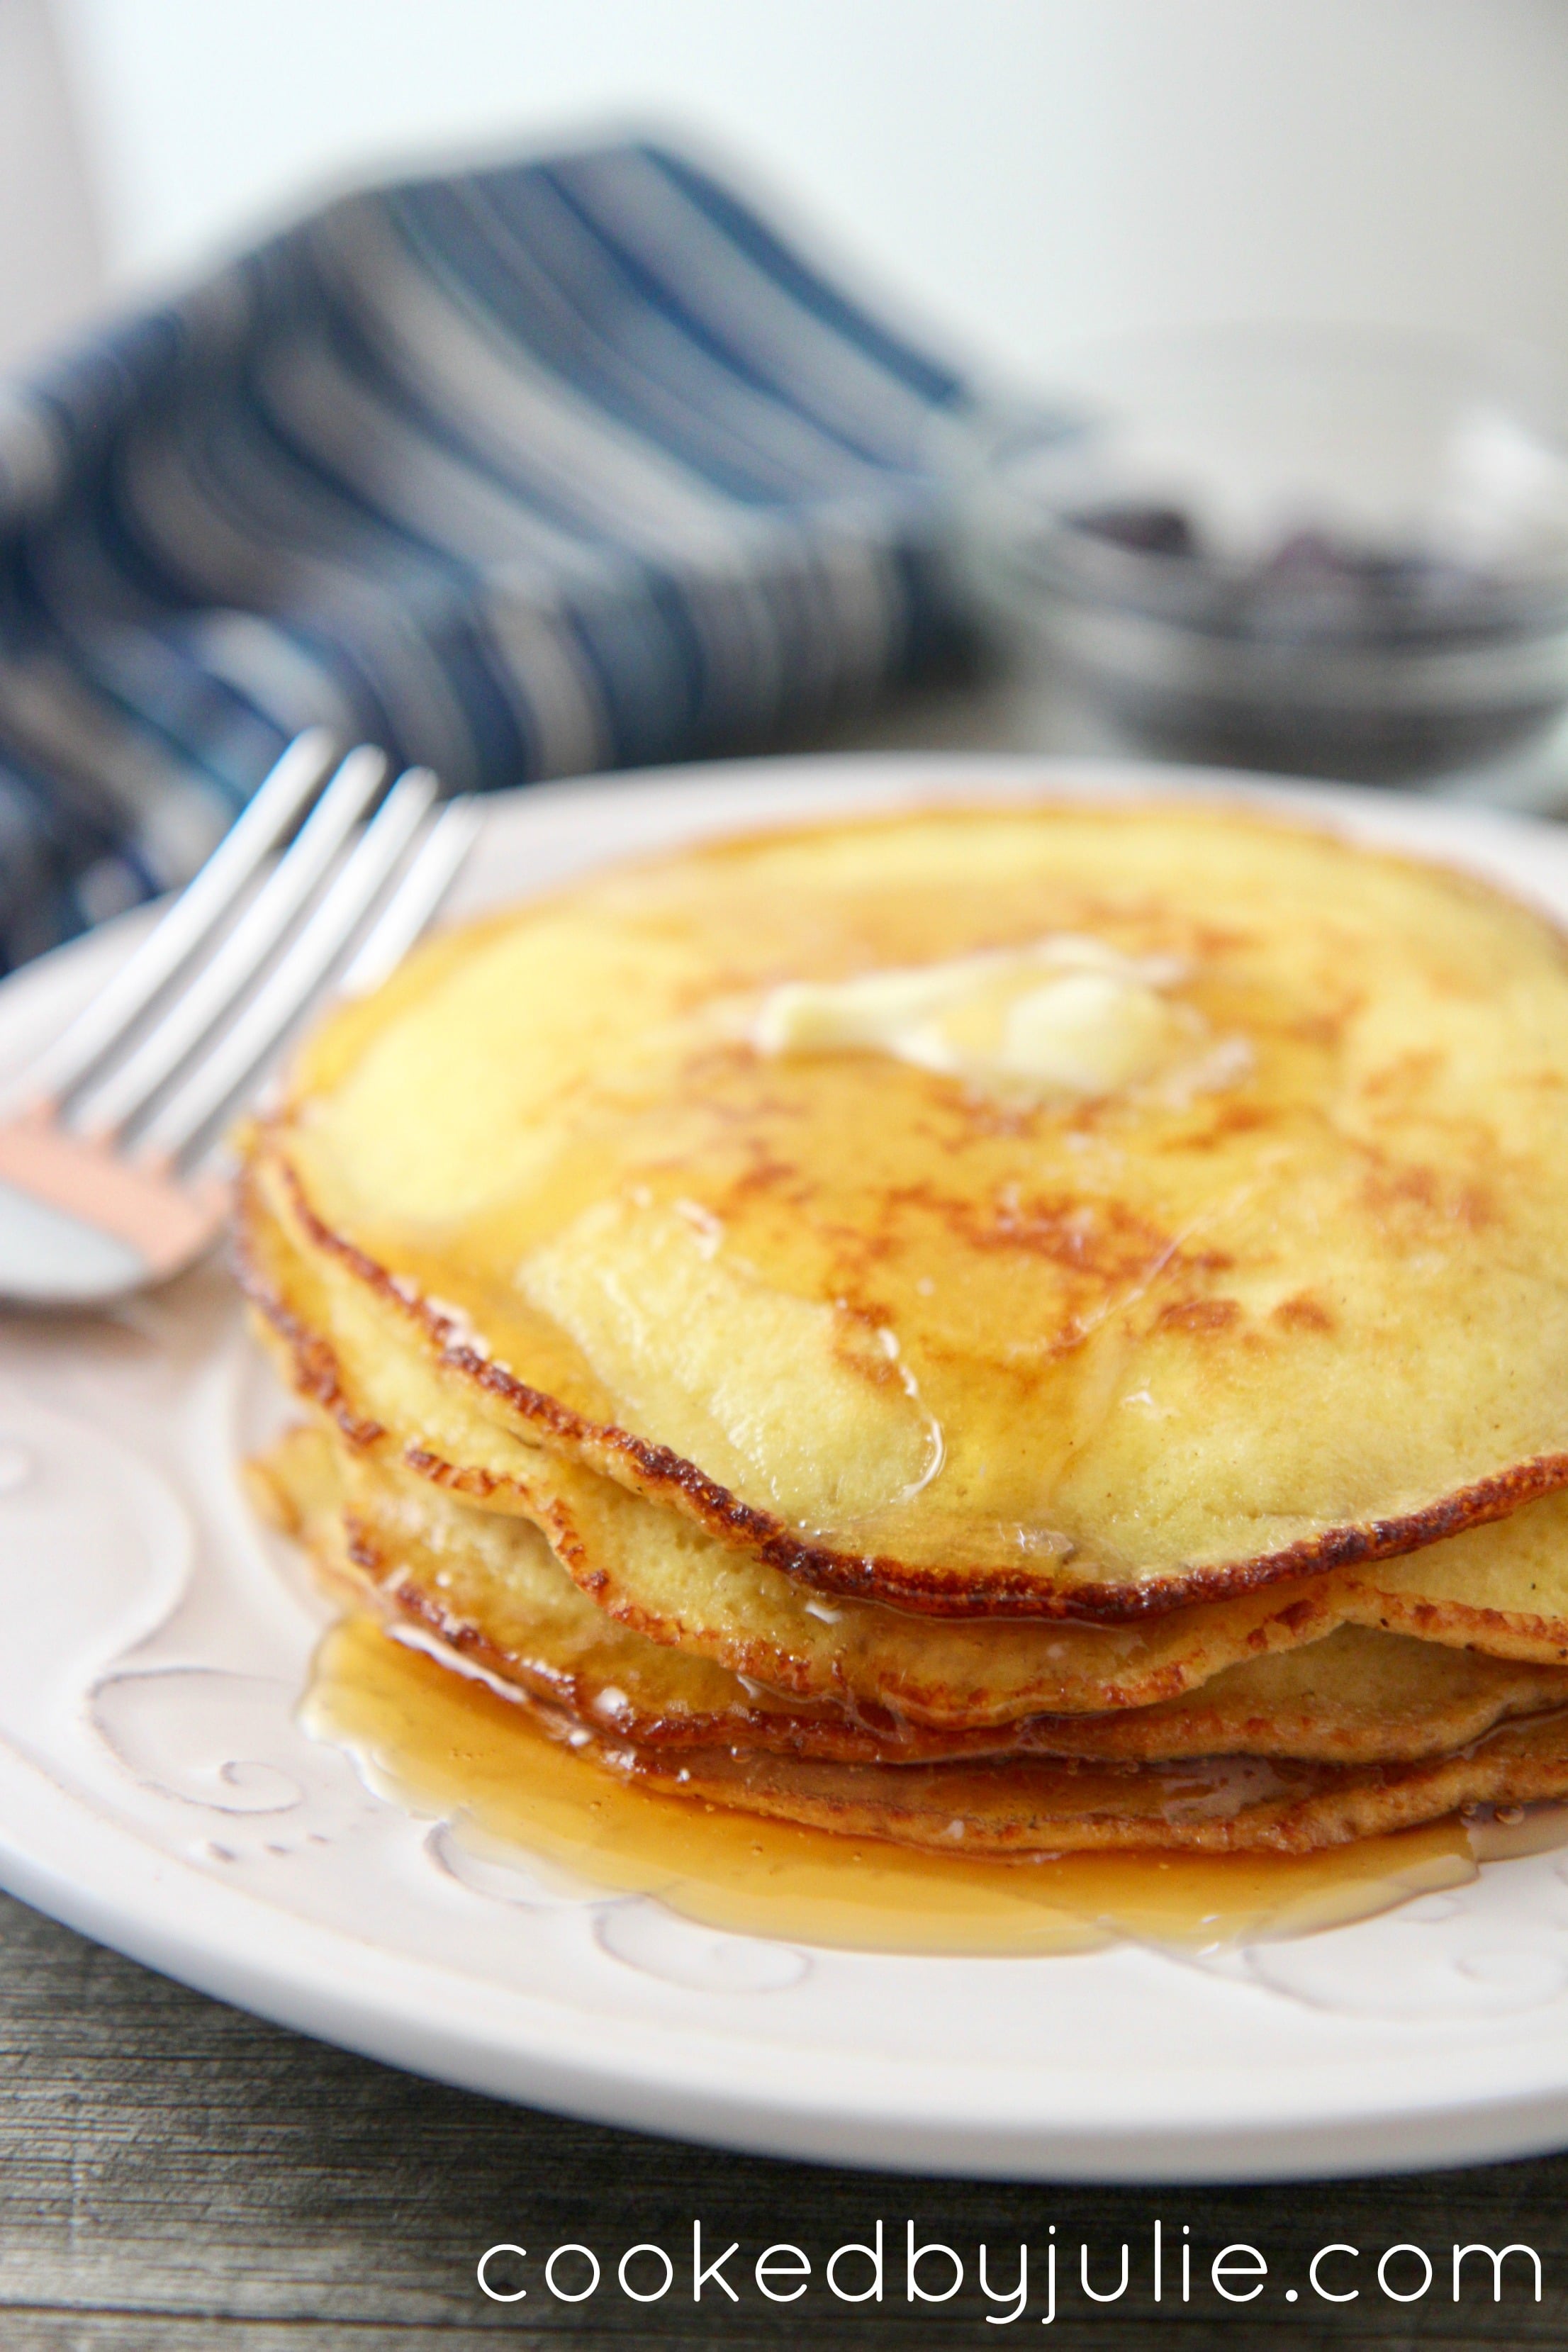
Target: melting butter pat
{"points": [[1066, 1015]]}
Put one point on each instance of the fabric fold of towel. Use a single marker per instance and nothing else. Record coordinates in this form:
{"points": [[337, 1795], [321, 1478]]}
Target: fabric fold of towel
{"points": [[525, 472]]}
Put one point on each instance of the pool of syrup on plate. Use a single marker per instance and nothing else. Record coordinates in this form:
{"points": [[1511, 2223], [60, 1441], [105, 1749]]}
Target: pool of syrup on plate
{"points": [[443, 1745]]}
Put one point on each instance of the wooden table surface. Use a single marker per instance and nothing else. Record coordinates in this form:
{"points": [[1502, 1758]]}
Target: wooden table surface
{"points": [[175, 2175]]}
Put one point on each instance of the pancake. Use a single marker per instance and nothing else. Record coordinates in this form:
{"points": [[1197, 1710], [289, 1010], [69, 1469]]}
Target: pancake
{"points": [[1502, 1587], [1060, 1209], [1241, 1804], [659, 1574], [486, 1586]]}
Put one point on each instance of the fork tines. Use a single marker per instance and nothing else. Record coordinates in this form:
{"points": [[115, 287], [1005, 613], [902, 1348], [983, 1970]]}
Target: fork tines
{"points": [[223, 978]]}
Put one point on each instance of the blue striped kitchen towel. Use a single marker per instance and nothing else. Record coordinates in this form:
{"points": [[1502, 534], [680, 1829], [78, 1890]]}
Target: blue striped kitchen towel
{"points": [[524, 472]]}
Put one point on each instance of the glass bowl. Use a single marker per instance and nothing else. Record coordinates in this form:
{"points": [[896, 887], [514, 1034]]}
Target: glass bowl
{"points": [[1328, 552]]}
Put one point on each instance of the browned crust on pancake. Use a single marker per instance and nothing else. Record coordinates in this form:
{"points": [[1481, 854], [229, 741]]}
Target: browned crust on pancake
{"points": [[789, 1728], [1499, 1633], [1315, 1608], [843, 1734], [974, 1590], [1026, 1808]]}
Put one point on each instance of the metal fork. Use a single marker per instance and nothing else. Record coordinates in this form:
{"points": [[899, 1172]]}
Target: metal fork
{"points": [[103, 1189]]}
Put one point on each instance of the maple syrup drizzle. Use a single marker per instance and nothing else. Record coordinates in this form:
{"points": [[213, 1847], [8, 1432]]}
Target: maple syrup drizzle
{"points": [[442, 1743]]}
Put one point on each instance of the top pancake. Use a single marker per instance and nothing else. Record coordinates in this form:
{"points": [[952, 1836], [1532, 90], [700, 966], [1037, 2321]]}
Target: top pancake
{"points": [[1269, 1281]]}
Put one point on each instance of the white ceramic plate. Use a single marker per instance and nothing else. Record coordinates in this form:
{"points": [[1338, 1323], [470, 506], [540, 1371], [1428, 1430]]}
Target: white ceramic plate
{"points": [[155, 1792]]}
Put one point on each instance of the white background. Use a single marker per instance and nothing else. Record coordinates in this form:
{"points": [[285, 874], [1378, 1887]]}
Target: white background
{"points": [[1021, 173]]}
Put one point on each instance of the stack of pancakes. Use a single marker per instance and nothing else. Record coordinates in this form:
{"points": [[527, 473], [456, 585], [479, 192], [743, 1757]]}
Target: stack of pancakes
{"points": [[1011, 1328]]}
